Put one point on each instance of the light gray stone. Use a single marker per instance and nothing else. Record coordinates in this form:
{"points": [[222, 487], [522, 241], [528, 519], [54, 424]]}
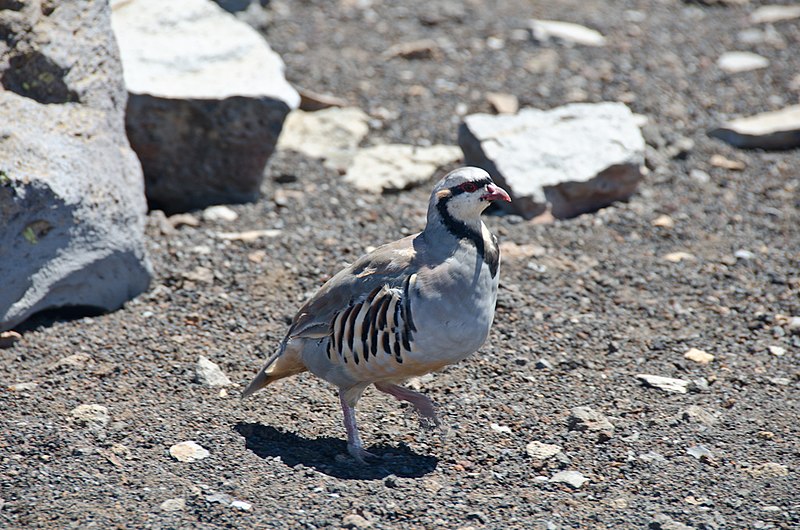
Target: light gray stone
{"points": [[72, 202], [545, 30], [173, 505], [331, 134], [396, 166], [207, 101], [208, 373], [572, 159], [542, 451], [573, 478], [588, 419], [90, 415], [668, 384], [776, 13], [189, 451], [779, 129], [736, 62]]}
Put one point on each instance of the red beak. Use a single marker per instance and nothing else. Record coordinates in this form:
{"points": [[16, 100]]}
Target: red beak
{"points": [[495, 193]]}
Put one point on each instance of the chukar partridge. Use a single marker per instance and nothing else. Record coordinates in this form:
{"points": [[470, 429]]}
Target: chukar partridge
{"points": [[406, 309]]}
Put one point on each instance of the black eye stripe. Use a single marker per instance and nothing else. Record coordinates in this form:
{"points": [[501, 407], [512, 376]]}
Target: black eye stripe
{"points": [[456, 190]]}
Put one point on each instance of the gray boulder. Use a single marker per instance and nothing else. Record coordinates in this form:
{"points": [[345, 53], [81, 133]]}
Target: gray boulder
{"points": [[207, 101], [571, 160], [72, 206]]}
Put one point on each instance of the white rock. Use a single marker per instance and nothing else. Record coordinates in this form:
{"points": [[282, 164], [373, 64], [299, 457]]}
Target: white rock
{"points": [[397, 167], [194, 49], [502, 429], [90, 415], [573, 478], [542, 451], [743, 254], [769, 14], [700, 452], [189, 451], [23, 387], [777, 351], [698, 356], [332, 134], [574, 158], [769, 469], [770, 130], [208, 373], [207, 99], [677, 257], [544, 30], [248, 236], [736, 62], [219, 213], [242, 505], [667, 384], [173, 505]]}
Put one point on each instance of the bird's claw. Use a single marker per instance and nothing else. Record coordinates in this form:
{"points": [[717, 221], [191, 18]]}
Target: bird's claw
{"points": [[360, 454]]}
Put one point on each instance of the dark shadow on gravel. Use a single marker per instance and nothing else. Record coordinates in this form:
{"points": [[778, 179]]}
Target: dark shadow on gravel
{"points": [[329, 455]]}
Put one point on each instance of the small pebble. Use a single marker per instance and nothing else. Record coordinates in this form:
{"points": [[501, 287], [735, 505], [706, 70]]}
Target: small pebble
{"points": [[698, 356], [677, 257], [500, 428], [90, 415], [667, 384], [542, 451], [354, 520], [22, 387], [209, 374], [700, 452], [9, 338], [573, 478], [664, 221], [588, 419], [219, 213], [769, 469], [736, 62], [777, 351], [188, 451], [173, 505], [242, 505]]}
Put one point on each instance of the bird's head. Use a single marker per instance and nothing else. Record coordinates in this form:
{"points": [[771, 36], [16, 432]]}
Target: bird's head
{"points": [[463, 194]]}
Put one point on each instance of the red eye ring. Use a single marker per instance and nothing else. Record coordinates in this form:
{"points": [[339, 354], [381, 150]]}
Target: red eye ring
{"points": [[469, 187]]}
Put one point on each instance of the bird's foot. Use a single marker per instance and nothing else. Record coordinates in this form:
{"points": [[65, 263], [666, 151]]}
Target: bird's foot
{"points": [[428, 422], [360, 454]]}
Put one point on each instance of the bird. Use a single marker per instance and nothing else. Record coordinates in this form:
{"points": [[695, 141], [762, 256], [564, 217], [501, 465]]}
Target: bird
{"points": [[407, 308]]}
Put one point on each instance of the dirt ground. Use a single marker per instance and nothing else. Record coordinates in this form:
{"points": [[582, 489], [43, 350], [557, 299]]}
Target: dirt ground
{"points": [[585, 305]]}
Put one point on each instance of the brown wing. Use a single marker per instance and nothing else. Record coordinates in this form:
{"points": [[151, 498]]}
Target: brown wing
{"points": [[389, 265]]}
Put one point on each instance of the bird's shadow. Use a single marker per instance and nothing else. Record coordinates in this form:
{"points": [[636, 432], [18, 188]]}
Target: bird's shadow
{"points": [[329, 455]]}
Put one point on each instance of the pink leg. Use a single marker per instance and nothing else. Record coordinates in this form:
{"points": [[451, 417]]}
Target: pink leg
{"points": [[354, 445], [424, 406]]}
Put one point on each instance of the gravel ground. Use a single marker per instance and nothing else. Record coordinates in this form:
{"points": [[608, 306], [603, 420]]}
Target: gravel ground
{"points": [[585, 305]]}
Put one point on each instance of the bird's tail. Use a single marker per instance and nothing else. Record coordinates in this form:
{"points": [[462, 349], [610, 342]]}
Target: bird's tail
{"points": [[283, 363]]}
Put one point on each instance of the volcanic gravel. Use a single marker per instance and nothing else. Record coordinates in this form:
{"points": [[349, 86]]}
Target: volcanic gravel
{"points": [[585, 305]]}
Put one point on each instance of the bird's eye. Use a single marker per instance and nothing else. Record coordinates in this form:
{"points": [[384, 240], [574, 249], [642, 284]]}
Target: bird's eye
{"points": [[469, 187]]}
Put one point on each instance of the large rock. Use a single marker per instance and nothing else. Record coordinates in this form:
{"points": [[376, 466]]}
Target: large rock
{"points": [[72, 206], [572, 159], [207, 100]]}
